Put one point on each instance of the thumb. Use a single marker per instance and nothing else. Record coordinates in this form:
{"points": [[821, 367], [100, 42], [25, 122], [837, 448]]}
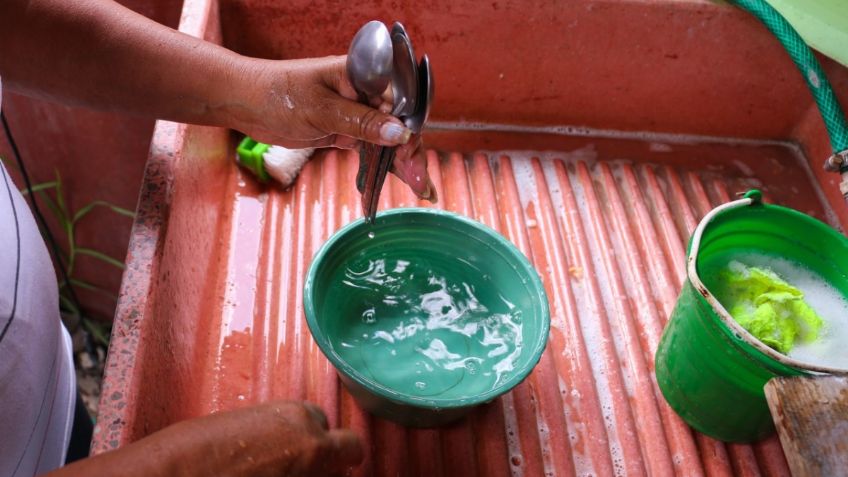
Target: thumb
{"points": [[362, 122]]}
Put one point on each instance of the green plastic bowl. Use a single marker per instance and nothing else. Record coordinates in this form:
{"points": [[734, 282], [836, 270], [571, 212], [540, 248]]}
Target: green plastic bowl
{"points": [[427, 270]]}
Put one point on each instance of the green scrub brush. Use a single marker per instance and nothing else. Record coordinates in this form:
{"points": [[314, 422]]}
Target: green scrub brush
{"points": [[268, 161]]}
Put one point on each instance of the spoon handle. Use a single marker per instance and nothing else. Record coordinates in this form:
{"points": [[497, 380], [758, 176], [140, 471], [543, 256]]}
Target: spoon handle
{"points": [[366, 151]]}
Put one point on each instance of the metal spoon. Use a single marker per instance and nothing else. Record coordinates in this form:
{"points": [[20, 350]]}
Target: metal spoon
{"points": [[405, 91], [426, 90], [404, 73], [369, 60], [369, 68], [415, 122]]}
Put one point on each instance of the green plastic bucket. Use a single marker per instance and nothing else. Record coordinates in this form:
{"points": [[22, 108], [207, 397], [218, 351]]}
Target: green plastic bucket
{"points": [[710, 369], [380, 341]]}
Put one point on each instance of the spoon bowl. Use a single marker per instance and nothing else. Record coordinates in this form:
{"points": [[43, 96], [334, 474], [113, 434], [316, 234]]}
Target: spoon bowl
{"points": [[369, 60], [404, 73], [416, 121]]}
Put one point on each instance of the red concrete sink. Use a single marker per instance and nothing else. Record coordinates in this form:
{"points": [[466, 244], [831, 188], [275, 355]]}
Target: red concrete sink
{"points": [[592, 134]]}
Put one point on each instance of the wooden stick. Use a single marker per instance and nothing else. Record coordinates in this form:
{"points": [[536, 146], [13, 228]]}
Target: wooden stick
{"points": [[811, 416]]}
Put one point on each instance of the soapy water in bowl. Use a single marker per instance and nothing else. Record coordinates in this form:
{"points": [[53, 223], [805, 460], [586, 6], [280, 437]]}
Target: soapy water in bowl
{"points": [[423, 334], [831, 347]]}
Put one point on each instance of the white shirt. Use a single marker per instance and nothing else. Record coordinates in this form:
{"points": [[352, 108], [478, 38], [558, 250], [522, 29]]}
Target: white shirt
{"points": [[37, 381]]}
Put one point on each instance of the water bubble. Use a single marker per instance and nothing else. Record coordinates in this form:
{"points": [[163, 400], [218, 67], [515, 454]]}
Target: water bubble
{"points": [[516, 317], [479, 336], [370, 235], [241, 397], [368, 316]]}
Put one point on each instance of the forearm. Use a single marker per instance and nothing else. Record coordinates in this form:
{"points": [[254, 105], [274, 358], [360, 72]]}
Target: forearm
{"points": [[99, 54], [276, 439], [187, 449], [141, 459]]}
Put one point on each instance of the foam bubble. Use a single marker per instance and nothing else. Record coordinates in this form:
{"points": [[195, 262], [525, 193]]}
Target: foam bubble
{"points": [[831, 349]]}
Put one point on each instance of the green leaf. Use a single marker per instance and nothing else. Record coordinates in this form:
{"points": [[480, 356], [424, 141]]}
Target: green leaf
{"points": [[85, 210], [100, 256], [60, 195], [40, 187], [52, 206], [89, 286], [67, 304], [100, 332], [102, 203], [62, 253]]}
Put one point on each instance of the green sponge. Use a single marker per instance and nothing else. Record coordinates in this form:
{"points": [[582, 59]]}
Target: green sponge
{"points": [[769, 308]]}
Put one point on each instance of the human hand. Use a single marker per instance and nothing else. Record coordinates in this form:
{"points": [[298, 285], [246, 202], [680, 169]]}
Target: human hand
{"points": [[311, 103], [282, 438]]}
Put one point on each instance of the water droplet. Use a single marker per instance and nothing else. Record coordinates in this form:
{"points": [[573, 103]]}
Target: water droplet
{"points": [[516, 317], [471, 367], [370, 235], [420, 384], [241, 397], [368, 316]]}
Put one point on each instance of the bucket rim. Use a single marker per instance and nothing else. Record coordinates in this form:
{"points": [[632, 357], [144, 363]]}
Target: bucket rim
{"points": [[751, 198]]}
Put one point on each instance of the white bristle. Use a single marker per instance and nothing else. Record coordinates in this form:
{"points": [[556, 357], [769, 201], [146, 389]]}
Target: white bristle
{"points": [[284, 164]]}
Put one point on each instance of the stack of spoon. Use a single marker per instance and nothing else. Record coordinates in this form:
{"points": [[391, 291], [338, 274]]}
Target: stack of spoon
{"points": [[375, 59]]}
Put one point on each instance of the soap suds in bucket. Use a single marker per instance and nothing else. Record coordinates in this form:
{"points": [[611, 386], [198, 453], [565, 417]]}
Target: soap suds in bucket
{"points": [[831, 347]]}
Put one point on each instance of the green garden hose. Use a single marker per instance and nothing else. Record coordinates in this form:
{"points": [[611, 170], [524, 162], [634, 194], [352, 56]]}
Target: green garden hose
{"points": [[834, 118]]}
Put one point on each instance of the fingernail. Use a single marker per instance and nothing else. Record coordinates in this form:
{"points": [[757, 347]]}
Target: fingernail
{"points": [[395, 133]]}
